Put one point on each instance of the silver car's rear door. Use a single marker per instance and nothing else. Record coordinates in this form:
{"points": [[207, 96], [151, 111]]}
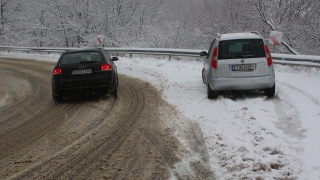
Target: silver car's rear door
{"points": [[242, 58], [242, 67]]}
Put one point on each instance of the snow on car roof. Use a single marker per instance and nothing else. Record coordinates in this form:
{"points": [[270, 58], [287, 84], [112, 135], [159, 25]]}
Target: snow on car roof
{"points": [[240, 36]]}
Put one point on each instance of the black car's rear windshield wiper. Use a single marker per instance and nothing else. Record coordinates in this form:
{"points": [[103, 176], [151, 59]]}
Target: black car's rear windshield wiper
{"points": [[88, 62]]}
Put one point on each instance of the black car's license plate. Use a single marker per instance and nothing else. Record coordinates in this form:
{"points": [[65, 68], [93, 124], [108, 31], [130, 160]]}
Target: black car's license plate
{"points": [[242, 67], [82, 71]]}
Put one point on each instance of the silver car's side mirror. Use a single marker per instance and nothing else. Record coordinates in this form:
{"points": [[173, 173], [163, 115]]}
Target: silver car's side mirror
{"points": [[203, 53], [115, 59]]}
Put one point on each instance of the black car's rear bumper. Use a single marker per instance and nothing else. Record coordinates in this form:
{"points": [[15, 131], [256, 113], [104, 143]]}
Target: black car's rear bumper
{"points": [[103, 89], [69, 87]]}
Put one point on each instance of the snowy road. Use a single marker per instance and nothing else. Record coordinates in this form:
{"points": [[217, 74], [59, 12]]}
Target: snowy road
{"points": [[87, 137], [246, 135]]}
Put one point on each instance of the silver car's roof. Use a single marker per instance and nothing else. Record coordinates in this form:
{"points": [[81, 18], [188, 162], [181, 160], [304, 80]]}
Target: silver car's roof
{"points": [[239, 36]]}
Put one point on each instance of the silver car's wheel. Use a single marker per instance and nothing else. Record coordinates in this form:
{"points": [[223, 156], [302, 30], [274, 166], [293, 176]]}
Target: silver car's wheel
{"points": [[270, 92], [211, 94], [204, 76]]}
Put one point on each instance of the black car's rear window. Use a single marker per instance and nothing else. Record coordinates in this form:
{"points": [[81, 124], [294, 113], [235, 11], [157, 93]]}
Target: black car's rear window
{"points": [[241, 48], [81, 57]]}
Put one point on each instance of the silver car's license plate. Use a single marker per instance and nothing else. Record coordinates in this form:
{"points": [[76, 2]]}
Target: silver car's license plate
{"points": [[82, 71], [242, 67]]}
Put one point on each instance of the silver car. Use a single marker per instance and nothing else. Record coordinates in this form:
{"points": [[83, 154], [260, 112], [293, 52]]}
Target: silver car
{"points": [[238, 61]]}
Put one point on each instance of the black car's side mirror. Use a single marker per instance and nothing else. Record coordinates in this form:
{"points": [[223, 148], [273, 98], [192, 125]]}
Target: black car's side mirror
{"points": [[114, 59], [203, 53]]}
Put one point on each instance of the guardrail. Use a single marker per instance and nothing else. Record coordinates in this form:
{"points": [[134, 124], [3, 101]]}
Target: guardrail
{"points": [[290, 57], [285, 59], [147, 51], [296, 60]]}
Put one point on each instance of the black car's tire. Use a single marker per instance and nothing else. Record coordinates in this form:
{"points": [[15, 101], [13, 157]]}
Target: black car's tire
{"points": [[114, 93], [211, 94], [57, 98], [204, 76], [271, 91]]}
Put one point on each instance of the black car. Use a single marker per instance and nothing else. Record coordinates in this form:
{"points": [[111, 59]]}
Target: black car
{"points": [[84, 71]]}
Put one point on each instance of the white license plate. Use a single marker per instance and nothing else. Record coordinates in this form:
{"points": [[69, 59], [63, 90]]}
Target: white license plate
{"points": [[82, 71], [242, 67]]}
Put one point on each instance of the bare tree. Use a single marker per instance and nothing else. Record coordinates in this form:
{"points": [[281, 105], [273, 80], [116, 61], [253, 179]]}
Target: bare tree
{"points": [[162, 23], [8, 19]]}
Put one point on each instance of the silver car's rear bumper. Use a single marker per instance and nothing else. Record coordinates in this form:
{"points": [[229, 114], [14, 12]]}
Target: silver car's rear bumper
{"points": [[223, 84]]}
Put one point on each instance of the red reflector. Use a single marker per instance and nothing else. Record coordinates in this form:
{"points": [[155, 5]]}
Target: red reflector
{"points": [[214, 60], [57, 71], [268, 54], [106, 67]]}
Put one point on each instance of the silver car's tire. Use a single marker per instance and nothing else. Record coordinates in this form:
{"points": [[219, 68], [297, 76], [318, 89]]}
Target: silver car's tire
{"points": [[211, 94], [204, 76], [271, 91]]}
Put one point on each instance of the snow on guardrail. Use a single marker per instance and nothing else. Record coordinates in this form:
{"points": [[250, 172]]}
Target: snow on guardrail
{"points": [[296, 60], [285, 59], [297, 63], [291, 57]]}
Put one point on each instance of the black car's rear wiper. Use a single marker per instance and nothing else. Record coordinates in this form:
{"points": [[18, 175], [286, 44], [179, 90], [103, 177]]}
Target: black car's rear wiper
{"points": [[88, 62]]}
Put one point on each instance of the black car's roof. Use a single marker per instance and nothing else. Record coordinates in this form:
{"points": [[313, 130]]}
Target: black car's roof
{"points": [[83, 50]]}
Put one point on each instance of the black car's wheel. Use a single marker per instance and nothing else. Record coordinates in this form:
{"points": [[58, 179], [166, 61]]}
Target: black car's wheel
{"points": [[204, 76], [271, 91], [114, 93], [57, 98], [211, 94]]}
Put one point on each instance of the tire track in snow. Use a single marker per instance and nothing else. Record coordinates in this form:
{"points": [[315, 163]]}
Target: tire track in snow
{"points": [[313, 98], [308, 110], [247, 145]]}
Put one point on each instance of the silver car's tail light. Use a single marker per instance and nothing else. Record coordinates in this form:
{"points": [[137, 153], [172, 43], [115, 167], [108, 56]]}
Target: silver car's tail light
{"points": [[214, 60], [268, 54]]}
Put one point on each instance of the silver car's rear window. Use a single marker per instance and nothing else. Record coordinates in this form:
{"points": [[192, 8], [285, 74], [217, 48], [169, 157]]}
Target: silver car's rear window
{"points": [[241, 48], [81, 57]]}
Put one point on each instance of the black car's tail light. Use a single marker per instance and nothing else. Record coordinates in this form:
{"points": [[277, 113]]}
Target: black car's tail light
{"points": [[106, 67], [57, 70]]}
